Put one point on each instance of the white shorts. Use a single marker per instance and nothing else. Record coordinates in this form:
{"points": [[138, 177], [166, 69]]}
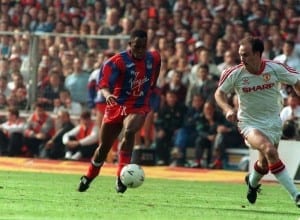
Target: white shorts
{"points": [[273, 133]]}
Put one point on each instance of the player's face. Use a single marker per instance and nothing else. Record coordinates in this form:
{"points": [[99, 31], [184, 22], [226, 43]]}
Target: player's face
{"points": [[248, 58], [138, 47]]}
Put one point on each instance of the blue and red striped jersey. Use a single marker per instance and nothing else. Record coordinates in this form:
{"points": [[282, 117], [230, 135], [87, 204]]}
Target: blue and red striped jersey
{"points": [[129, 79]]}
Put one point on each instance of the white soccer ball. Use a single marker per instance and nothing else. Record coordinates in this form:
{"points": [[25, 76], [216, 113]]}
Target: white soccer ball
{"points": [[132, 175]]}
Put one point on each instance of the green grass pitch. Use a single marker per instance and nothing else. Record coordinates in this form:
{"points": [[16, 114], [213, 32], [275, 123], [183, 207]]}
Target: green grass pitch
{"points": [[26, 195]]}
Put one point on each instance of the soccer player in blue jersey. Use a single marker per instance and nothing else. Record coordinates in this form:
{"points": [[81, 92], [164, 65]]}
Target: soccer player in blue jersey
{"points": [[256, 82], [127, 81]]}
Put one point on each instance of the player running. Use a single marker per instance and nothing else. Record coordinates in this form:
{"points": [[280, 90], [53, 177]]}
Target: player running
{"points": [[256, 83], [127, 80]]}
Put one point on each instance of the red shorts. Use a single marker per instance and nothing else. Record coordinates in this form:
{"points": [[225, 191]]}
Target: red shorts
{"points": [[117, 113], [101, 107]]}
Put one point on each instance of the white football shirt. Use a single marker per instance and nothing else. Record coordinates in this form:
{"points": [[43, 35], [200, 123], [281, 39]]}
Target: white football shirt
{"points": [[259, 97]]}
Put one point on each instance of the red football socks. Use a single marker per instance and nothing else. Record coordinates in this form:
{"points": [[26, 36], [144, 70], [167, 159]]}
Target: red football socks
{"points": [[93, 170]]}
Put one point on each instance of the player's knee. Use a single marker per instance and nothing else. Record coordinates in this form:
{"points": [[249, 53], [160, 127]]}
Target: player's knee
{"points": [[270, 151]]}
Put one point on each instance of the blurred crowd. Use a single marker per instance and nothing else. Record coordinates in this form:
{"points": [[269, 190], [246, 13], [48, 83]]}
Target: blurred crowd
{"points": [[197, 39]]}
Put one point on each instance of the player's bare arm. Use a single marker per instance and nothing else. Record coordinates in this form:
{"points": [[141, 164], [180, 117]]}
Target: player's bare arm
{"points": [[222, 101]]}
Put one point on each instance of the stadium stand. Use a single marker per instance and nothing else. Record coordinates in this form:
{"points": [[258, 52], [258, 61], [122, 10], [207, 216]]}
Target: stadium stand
{"points": [[52, 34]]}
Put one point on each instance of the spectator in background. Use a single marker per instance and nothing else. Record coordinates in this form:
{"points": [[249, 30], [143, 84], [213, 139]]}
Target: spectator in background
{"points": [[221, 48], [110, 27], [114, 45], [204, 57], [65, 102], [4, 67], [3, 102], [127, 25], [53, 53], [228, 135], [19, 98], [83, 139], [289, 58], [24, 43], [207, 130], [25, 22], [175, 84], [89, 61], [186, 135], [290, 116], [54, 148], [42, 77], [268, 52], [11, 133], [288, 55], [44, 22], [276, 39], [67, 58], [184, 67], [4, 90], [203, 84], [51, 90], [5, 46], [93, 44], [39, 129], [77, 83], [15, 63], [229, 61], [19, 93], [17, 81], [33, 12], [145, 137], [94, 94], [168, 120]]}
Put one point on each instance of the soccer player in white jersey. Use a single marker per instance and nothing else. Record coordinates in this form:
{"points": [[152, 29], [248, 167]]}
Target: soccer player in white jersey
{"points": [[257, 82]]}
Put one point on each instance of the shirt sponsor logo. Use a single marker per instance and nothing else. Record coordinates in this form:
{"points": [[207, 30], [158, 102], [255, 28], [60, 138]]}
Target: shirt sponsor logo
{"points": [[258, 88], [136, 85]]}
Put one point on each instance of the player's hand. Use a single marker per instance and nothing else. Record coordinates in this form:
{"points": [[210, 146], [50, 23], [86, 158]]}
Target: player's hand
{"points": [[111, 100], [231, 115]]}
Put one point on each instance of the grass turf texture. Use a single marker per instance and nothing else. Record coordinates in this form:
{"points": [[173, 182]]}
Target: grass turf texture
{"points": [[26, 195]]}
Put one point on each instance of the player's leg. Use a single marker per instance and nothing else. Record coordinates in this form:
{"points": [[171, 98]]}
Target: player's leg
{"points": [[269, 151], [108, 133], [132, 123], [259, 170]]}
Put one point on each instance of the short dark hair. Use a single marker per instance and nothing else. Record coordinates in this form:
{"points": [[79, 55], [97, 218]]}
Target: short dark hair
{"points": [[138, 33], [14, 111], [4, 78], [64, 90], [203, 66], [290, 42], [40, 104], [85, 115], [256, 43]]}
